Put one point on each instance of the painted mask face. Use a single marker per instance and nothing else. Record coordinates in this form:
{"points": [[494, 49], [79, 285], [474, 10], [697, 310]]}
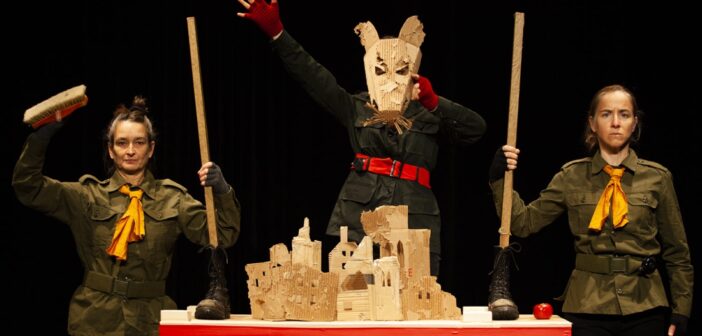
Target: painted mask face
{"points": [[389, 64]]}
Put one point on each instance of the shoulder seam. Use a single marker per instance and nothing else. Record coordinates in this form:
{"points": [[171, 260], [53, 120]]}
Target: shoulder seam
{"points": [[173, 184], [570, 163]]}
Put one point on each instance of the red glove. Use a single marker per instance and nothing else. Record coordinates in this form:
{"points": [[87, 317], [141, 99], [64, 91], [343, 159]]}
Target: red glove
{"points": [[266, 16], [426, 94]]}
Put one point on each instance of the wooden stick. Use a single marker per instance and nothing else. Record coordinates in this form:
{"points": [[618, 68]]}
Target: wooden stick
{"points": [[512, 125], [202, 128]]}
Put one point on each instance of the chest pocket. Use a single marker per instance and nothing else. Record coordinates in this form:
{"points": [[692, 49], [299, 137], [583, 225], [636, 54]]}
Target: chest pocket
{"points": [[642, 213], [102, 220], [581, 206], [421, 142], [370, 138], [161, 232], [425, 123]]}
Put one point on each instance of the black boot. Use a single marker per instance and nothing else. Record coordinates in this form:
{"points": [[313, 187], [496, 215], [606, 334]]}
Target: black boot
{"points": [[215, 305], [500, 301]]}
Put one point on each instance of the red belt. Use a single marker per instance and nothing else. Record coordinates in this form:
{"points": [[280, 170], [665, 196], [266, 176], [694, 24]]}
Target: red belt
{"points": [[390, 167]]}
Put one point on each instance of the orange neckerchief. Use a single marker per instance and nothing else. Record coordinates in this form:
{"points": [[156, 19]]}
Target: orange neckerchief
{"points": [[613, 194], [130, 227]]}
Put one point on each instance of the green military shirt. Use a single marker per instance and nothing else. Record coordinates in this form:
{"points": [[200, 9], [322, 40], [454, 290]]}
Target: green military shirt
{"points": [[91, 207], [418, 146], [655, 228]]}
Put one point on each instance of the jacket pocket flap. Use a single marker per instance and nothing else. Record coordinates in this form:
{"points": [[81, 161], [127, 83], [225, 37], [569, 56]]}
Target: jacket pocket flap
{"points": [[359, 187], [582, 198], [100, 213], [642, 199], [161, 214]]}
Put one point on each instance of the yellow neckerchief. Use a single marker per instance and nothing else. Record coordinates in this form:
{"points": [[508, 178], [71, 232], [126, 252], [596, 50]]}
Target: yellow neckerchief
{"points": [[130, 227], [613, 195]]}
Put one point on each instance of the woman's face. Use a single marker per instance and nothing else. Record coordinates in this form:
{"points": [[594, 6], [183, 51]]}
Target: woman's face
{"points": [[614, 121], [131, 148]]}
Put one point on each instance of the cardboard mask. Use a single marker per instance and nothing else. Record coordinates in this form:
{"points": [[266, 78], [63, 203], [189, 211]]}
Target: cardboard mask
{"points": [[389, 64]]}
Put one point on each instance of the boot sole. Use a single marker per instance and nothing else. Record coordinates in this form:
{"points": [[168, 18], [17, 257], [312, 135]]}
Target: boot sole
{"points": [[210, 314], [504, 313]]}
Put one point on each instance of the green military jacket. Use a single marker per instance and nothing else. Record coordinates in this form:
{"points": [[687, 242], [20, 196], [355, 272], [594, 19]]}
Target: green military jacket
{"points": [[655, 228], [418, 146], [91, 207]]}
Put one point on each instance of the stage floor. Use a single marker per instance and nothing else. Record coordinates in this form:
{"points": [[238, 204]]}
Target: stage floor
{"points": [[181, 323]]}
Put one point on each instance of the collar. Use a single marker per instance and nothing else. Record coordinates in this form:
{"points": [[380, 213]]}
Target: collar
{"points": [[598, 163], [148, 185]]}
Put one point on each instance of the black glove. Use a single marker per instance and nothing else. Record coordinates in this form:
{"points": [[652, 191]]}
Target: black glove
{"points": [[498, 166], [216, 179], [680, 322], [46, 132]]}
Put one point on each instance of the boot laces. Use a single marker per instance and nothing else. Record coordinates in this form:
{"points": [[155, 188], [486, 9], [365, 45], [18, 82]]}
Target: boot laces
{"points": [[499, 284]]}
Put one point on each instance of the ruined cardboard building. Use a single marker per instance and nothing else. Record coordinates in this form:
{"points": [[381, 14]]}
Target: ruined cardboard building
{"points": [[397, 286]]}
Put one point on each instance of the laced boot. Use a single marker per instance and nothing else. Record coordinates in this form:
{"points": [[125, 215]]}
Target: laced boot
{"points": [[215, 305], [500, 300]]}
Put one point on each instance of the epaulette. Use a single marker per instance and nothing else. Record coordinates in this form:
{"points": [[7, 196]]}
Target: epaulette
{"points": [[90, 178], [652, 164], [570, 163], [173, 184]]}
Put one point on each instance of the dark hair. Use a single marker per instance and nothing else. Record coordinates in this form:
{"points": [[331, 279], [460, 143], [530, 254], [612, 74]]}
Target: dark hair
{"points": [[137, 112], [589, 137]]}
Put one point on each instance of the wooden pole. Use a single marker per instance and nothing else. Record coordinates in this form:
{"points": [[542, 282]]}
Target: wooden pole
{"points": [[202, 127], [512, 125]]}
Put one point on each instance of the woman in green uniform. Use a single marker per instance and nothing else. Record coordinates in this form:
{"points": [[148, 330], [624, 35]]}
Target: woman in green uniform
{"points": [[624, 217], [125, 227]]}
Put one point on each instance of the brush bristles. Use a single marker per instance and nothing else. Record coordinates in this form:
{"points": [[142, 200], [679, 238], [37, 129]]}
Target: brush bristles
{"points": [[57, 103]]}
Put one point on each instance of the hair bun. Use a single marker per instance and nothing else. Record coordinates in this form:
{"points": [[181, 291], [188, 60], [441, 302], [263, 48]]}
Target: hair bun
{"points": [[139, 104]]}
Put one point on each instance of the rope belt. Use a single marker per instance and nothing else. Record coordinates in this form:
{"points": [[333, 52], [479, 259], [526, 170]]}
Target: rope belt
{"points": [[125, 288], [610, 264], [392, 168]]}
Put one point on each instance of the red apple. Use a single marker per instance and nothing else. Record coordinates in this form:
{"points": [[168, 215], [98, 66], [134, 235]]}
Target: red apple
{"points": [[543, 311]]}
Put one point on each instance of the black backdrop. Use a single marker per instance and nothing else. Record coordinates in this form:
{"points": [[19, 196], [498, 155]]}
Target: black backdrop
{"points": [[287, 158]]}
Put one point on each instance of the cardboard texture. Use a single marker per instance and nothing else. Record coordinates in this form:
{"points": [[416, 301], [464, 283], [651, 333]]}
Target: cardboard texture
{"points": [[394, 287], [389, 64]]}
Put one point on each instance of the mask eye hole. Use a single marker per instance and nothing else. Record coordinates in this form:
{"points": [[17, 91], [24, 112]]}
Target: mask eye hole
{"points": [[403, 70], [380, 69]]}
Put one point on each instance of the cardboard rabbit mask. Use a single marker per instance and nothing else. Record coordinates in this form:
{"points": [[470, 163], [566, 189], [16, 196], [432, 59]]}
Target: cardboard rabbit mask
{"points": [[389, 64]]}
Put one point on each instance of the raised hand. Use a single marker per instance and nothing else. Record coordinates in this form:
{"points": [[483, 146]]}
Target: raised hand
{"points": [[265, 15], [47, 131]]}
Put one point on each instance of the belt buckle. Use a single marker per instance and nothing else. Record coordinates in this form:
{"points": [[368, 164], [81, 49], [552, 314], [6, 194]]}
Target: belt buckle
{"points": [[392, 168], [648, 265], [120, 287], [618, 264], [357, 164]]}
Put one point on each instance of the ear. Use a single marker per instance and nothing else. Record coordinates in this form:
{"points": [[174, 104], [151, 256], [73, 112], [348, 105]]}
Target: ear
{"points": [[412, 31], [109, 151], [153, 147], [591, 121], [366, 31]]}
